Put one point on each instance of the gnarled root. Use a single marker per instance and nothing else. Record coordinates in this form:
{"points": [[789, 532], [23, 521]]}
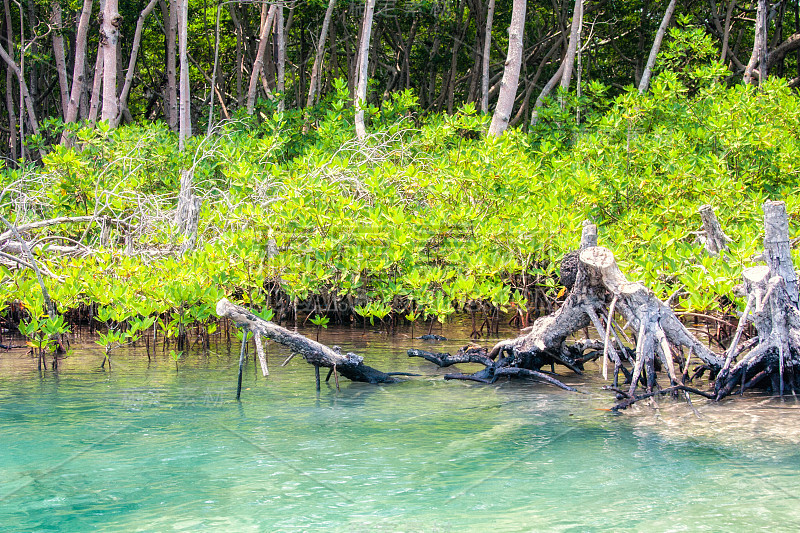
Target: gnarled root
{"points": [[659, 331], [772, 306], [493, 369], [777, 351], [600, 292]]}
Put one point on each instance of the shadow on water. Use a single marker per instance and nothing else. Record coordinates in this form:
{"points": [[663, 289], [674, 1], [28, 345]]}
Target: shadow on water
{"points": [[144, 447]]}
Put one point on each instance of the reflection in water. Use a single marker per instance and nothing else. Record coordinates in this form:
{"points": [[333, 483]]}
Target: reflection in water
{"points": [[144, 447]]}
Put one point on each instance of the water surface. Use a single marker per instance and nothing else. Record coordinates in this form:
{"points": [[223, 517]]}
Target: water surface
{"points": [[146, 448]]}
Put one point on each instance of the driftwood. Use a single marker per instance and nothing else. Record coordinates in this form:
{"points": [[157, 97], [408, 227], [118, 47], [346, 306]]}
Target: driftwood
{"points": [[348, 365]]}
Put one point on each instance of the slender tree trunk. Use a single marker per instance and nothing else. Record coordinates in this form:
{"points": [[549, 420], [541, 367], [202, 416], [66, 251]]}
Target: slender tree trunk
{"points": [[23, 87], [185, 127], [20, 72], [313, 86], [59, 55], [237, 25], [644, 83], [97, 82], [79, 70], [572, 46], [333, 64], [408, 46], [508, 88], [548, 87], [726, 34], [532, 85], [33, 50], [758, 57], [281, 43], [363, 68], [449, 88], [475, 73], [352, 55], [12, 116], [487, 46], [797, 30], [171, 38], [268, 69], [109, 38], [137, 41], [258, 64]]}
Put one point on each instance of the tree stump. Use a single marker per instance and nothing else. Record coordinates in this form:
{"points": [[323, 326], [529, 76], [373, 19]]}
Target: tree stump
{"points": [[712, 236], [773, 309], [600, 292]]}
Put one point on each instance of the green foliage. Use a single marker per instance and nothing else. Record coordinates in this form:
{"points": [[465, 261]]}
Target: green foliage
{"points": [[42, 332], [689, 56], [419, 220]]}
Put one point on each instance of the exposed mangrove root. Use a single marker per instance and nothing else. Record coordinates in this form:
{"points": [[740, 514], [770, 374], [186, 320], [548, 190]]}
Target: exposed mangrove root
{"points": [[348, 365], [626, 400], [777, 352], [493, 369], [600, 292], [772, 307]]}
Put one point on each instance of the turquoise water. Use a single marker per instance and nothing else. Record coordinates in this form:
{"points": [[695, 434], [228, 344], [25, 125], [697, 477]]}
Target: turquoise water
{"points": [[146, 448]]}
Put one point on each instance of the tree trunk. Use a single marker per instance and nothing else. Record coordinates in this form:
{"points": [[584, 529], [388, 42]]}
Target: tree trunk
{"points": [[109, 37], [280, 32], [487, 46], [363, 68], [185, 126], [258, 64], [508, 88], [59, 55], [572, 46], [237, 25], [777, 248], [12, 116], [79, 70], [137, 41], [23, 87], [758, 57], [449, 88], [171, 38], [772, 307], [97, 83], [644, 83], [726, 34], [313, 86], [405, 72]]}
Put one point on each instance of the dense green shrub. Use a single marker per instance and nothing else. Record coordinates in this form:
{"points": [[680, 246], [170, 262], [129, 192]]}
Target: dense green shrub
{"points": [[427, 215]]}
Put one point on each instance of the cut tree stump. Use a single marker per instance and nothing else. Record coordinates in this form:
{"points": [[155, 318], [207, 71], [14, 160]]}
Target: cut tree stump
{"points": [[348, 365]]}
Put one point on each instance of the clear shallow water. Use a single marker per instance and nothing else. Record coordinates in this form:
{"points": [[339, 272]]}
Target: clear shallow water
{"points": [[143, 448]]}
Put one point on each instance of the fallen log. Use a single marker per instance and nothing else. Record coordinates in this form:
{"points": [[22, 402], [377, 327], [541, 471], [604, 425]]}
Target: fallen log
{"points": [[348, 365]]}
